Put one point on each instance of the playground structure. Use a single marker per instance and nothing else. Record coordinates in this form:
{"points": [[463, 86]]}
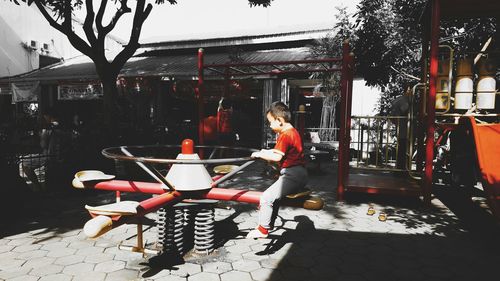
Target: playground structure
{"points": [[187, 183], [484, 89], [455, 99], [274, 69], [437, 94]]}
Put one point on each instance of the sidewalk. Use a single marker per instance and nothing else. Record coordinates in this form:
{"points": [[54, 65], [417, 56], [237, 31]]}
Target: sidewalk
{"points": [[340, 242]]}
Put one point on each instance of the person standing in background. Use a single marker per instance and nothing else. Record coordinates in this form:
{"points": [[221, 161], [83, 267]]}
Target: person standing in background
{"points": [[226, 136], [48, 145]]}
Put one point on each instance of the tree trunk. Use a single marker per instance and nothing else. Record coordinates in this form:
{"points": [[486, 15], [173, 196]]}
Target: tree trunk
{"points": [[110, 108]]}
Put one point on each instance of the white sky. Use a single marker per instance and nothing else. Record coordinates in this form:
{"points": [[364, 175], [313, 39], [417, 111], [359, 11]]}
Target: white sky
{"points": [[364, 99], [218, 16]]}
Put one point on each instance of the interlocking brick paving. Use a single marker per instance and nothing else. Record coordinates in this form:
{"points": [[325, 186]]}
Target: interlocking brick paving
{"points": [[453, 239]]}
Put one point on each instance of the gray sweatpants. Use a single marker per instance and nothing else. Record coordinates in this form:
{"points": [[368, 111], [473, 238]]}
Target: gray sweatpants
{"points": [[291, 180]]}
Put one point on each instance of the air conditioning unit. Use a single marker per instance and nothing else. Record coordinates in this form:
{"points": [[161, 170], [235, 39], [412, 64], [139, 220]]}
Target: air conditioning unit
{"points": [[46, 48], [33, 44]]}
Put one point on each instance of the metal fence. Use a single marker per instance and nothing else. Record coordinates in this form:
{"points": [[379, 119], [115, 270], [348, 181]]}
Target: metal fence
{"points": [[379, 142], [38, 163]]}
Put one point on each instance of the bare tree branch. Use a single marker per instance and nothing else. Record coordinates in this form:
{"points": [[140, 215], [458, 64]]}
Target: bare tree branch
{"points": [[89, 21], [120, 12], [68, 17], [76, 41], [405, 74], [140, 16], [46, 15], [100, 15]]}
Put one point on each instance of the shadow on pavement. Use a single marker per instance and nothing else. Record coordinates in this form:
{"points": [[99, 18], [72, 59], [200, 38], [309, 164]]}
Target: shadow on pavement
{"points": [[314, 254], [56, 212], [473, 214]]}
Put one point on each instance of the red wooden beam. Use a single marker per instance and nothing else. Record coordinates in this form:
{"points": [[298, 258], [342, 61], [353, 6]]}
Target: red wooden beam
{"points": [[431, 101], [271, 63], [343, 149], [281, 72]]}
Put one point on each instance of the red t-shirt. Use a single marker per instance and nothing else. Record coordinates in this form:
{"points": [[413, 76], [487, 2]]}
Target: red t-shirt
{"points": [[289, 144]]}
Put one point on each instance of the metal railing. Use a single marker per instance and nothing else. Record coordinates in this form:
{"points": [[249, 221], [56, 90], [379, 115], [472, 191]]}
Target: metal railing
{"points": [[38, 162], [380, 142]]}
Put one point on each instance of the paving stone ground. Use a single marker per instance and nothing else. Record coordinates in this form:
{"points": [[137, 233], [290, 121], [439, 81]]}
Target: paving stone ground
{"points": [[41, 238]]}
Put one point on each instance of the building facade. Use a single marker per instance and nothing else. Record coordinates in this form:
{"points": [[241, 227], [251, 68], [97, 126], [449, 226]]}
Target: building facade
{"points": [[30, 42]]}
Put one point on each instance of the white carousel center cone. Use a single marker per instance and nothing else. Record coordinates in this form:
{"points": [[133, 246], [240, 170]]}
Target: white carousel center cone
{"points": [[189, 177]]}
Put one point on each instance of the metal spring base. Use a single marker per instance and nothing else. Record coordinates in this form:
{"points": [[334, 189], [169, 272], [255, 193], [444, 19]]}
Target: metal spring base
{"points": [[204, 230], [189, 215], [170, 225], [161, 227], [178, 225]]}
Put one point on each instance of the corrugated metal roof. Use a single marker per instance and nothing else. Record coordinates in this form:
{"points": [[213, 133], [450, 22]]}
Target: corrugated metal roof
{"points": [[82, 68], [313, 29], [249, 39]]}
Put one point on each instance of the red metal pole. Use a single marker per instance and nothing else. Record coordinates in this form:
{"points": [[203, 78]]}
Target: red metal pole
{"points": [[343, 157], [154, 203], [172, 197], [199, 96], [431, 101], [225, 194], [129, 186], [239, 195], [276, 72], [98, 227], [350, 70], [271, 63], [422, 105]]}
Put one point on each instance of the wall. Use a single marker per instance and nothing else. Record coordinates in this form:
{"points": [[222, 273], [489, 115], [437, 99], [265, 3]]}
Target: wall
{"points": [[364, 99], [21, 24]]}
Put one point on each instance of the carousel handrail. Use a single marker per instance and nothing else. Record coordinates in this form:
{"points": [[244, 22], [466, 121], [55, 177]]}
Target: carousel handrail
{"points": [[107, 152]]}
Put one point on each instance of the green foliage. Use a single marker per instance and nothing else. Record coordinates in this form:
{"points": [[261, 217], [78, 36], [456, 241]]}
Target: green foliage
{"points": [[388, 45], [263, 3], [331, 46]]}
